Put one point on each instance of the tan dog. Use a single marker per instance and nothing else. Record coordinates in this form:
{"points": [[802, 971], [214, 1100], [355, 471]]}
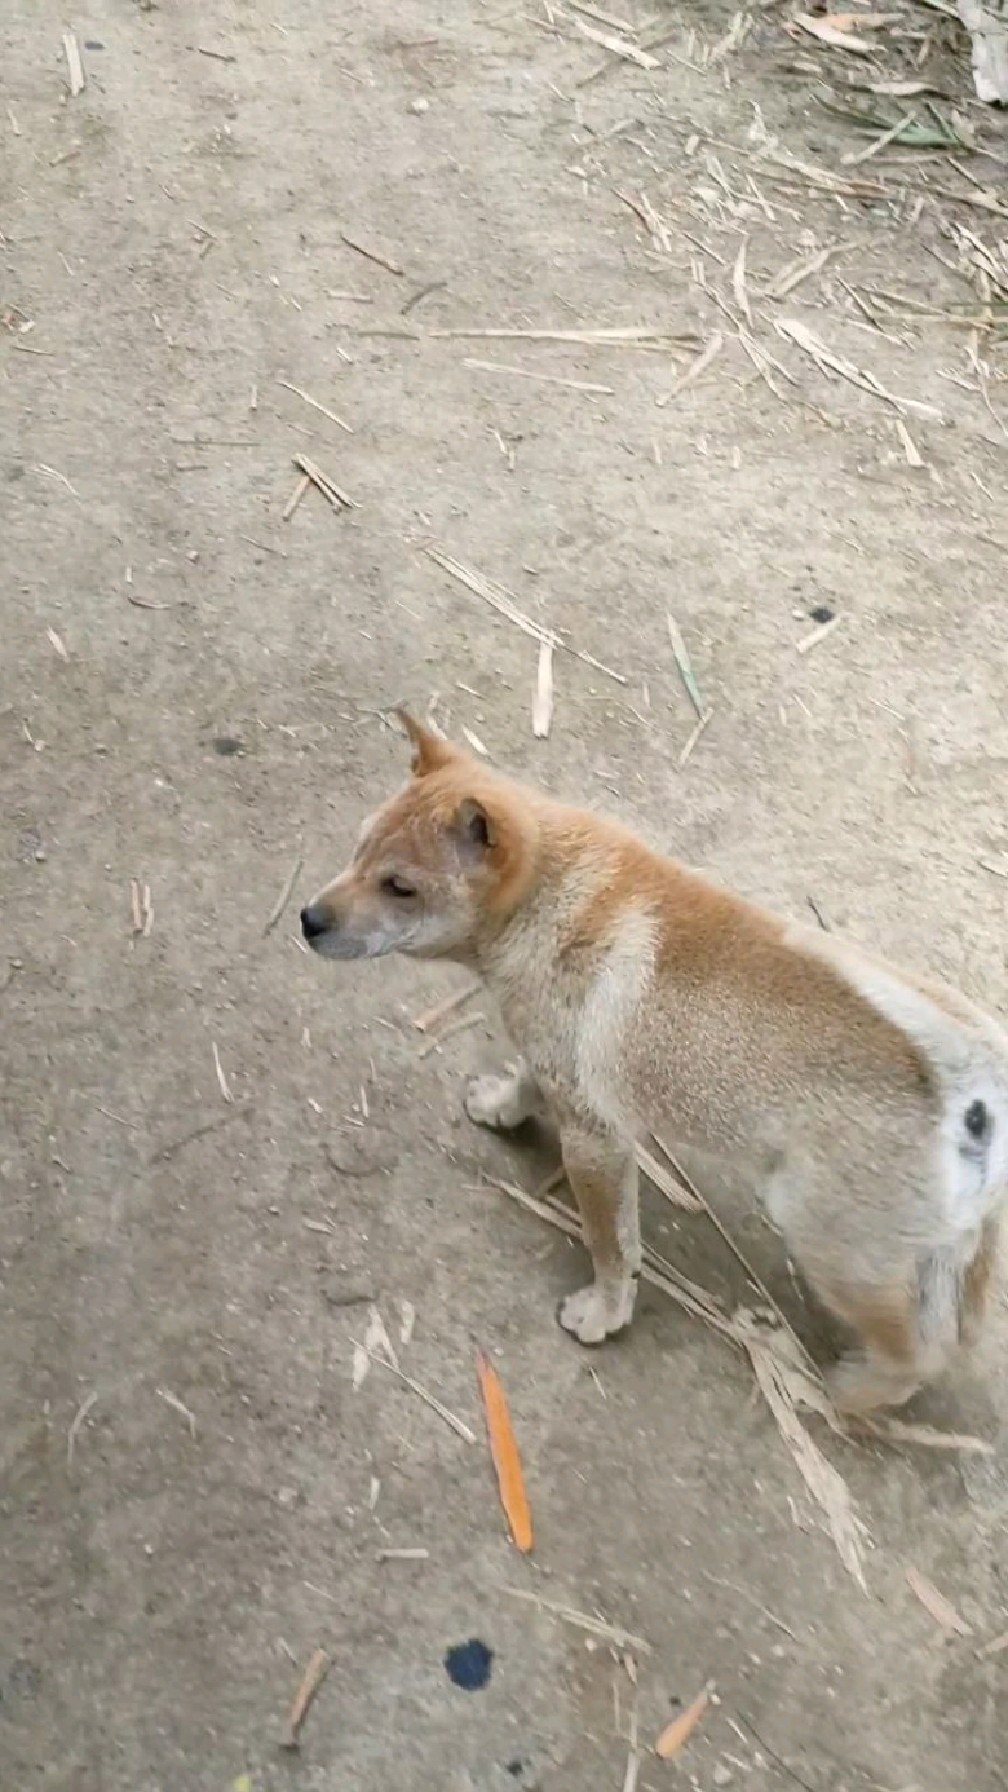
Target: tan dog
{"points": [[874, 1106]]}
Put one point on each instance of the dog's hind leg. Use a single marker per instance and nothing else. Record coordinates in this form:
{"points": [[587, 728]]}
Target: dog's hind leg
{"points": [[602, 1170], [908, 1334]]}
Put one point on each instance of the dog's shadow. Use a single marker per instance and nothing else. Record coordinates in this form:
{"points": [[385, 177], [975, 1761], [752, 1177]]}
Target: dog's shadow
{"points": [[692, 1243]]}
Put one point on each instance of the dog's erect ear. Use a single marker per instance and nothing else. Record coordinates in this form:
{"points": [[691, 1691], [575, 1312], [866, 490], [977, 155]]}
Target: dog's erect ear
{"points": [[474, 827], [430, 751]]}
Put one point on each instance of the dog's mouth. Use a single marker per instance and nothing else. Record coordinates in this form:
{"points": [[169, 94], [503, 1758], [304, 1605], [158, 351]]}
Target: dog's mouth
{"points": [[331, 940], [336, 944]]}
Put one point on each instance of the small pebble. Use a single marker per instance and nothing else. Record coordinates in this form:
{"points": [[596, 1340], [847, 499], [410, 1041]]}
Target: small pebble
{"points": [[822, 613], [420, 105], [722, 1775]]}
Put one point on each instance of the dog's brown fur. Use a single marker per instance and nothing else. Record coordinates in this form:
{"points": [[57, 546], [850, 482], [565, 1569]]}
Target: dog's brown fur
{"points": [[873, 1106]]}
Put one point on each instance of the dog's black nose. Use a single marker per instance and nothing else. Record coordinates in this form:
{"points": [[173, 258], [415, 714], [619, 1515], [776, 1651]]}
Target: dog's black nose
{"points": [[313, 922]]}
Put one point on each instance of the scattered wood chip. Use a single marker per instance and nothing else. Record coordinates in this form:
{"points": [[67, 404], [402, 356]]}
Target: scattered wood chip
{"points": [[504, 1451], [739, 280], [542, 702], [935, 1603], [173, 1400], [402, 1555], [544, 379], [902, 1431], [996, 1646], [284, 897], [377, 1346], [493, 594], [57, 643], [265, 547], [141, 909], [78, 1419], [693, 736], [815, 635], [312, 471], [743, 1593], [71, 50], [910, 449], [830, 34], [827, 1487], [675, 1735], [852, 157], [451, 1419], [796, 272], [474, 741], [502, 601], [670, 1186], [617, 336], [407, 1321], [595, 1626], [222, 1082], [633, 1767], [682, 660], [901, 89], [461, 1025], [382, 261], [295, 498], [604, 18], [315, 405], [433, 1017], [828, 362], [618, 46], [311, 1680], [711, 347], [377, 1341]]}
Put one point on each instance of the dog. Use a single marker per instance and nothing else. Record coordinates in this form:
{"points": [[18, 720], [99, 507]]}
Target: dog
{"points": [[873, 1106]]}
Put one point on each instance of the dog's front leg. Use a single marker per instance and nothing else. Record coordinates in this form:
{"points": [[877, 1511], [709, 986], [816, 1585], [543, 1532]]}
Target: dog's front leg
{"points": [[504, 1102], [602, 1170]]}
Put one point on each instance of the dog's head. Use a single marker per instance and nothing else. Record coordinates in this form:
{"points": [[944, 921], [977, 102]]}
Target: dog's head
{"points": [[437, 869]]}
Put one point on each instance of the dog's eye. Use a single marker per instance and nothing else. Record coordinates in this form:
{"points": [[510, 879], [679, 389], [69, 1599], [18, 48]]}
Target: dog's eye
{"points": [[397, 886]]}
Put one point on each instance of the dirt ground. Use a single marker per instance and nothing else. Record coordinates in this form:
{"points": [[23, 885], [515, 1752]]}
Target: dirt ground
{"points": [[191, 696]]}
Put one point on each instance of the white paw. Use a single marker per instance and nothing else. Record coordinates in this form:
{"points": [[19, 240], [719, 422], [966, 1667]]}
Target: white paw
{"points": [[492, 1101], [596, 1312]]}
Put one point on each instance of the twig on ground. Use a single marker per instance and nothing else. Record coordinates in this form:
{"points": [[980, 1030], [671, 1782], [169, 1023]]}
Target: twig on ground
{"points": [[173, 1400], [682, 660], [75, 67], [78, 1419], [315, 405], [285, 895], [329, 489], [711, 347], [544, 379], [371, 254], [433, 1017], [222, 1082], [600, 1627], [451, 1419], [311, 1680]]}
